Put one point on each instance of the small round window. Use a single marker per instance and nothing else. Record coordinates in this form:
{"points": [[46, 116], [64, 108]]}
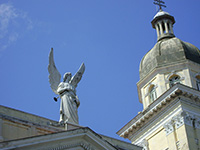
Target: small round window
{"points": [[174, 80]]}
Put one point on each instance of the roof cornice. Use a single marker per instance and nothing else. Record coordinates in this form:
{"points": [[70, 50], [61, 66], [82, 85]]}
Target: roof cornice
{"points": [[157, 106]]}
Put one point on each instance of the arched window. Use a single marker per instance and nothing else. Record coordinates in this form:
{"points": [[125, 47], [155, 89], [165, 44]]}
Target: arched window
{"points": [[152, 93], [198, 82], [173, 80]]}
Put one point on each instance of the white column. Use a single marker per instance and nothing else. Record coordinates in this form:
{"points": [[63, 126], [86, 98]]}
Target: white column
{"points": [[171, 28], [161, 29], [166, 26], [157, 30]]}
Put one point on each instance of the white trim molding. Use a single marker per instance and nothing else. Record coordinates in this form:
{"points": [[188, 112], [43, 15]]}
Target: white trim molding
{"points": [[144, 144], [181, 119], [169, 127]]}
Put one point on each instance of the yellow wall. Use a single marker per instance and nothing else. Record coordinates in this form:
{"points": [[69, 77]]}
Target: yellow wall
{"points": [[13, 130], [15, 124], [182, 138], [160, 77], [175, 140], [158, 140]]}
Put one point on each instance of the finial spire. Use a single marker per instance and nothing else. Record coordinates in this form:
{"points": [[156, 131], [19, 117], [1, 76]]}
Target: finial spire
{"points": [[160, 3], [163, 22]]}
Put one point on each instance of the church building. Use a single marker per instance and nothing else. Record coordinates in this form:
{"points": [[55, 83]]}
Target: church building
{"points": [[169, 89]]}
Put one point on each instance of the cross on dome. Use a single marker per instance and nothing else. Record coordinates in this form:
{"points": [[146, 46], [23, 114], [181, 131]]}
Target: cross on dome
{"points": [[160, 3]]}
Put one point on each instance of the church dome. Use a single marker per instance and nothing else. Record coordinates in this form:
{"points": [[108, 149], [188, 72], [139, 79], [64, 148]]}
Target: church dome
{"points": [[166, 52], [161, 13]]}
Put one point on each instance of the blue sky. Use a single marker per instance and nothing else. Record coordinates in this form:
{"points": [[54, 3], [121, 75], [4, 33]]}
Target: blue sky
{"points": [[109, 36]]}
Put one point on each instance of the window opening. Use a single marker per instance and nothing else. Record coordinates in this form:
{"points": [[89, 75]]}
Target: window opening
{"points": [[198, 82], [159, 32], [163, 26], [152, 94], [168, 27], [174, 80]]}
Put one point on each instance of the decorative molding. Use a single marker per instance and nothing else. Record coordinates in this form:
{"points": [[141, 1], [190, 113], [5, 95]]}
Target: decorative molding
{"points": [[156, 127], [181, 119], [178, 121], [197, 123], [191, 119], [144, 144], [84, 145], [87, 146], [157, 106], [187, 118], [169, 127], [147, 114]]}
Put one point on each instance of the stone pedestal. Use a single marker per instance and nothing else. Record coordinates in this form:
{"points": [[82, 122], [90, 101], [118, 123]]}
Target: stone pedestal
{"points": [[71, 126]]}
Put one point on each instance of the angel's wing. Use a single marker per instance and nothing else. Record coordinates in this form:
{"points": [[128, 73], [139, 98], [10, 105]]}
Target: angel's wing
{"points": [[77, 77], [54, 75]]}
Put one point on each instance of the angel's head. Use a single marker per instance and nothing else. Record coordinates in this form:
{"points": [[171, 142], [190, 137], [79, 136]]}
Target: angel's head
{"points": [[67, 77]]}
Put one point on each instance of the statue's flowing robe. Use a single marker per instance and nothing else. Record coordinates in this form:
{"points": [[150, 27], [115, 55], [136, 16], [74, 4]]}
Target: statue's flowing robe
{"points": [[69, 103]]}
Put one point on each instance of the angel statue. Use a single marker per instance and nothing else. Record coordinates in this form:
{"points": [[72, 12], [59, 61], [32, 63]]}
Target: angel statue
{"points": [[66, 91]]}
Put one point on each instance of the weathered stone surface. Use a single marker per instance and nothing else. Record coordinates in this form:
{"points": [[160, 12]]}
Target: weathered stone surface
{"points": [[167, 52], [66, 91]]}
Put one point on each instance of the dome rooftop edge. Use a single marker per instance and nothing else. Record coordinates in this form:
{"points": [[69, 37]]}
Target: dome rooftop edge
{"points": [[167, 52], [161, 15]]}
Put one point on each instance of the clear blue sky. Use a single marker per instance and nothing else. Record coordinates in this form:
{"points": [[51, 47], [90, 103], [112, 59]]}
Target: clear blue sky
{"points": [[110, 36]]}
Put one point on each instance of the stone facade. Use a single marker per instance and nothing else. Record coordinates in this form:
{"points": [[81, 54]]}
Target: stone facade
{"points": [[24, 131], [17, 124], [170, 94]]}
